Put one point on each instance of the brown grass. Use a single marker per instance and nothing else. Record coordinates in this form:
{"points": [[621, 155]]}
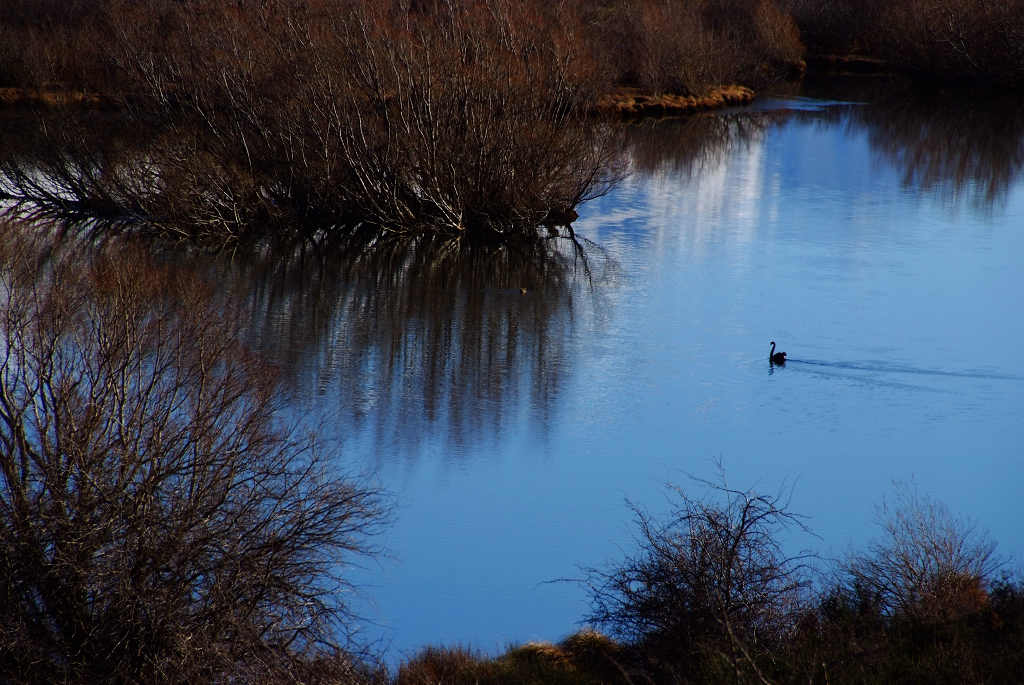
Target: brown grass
{"points": [[585, 657], [630, 102], [12, 96]]}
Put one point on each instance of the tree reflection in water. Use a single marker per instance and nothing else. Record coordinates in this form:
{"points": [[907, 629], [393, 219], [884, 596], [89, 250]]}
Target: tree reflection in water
{"points": [[961, 148], [410, 339], [428, 339], [417, 339]]}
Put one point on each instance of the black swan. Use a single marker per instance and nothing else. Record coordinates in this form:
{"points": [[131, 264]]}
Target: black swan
{"points": [[776, 357]]}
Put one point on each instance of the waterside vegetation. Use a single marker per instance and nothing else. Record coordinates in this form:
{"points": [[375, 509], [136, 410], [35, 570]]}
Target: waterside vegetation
{"points": [[973, 43], [475, 120], [710, 596], [160, 519], [472, 120]]}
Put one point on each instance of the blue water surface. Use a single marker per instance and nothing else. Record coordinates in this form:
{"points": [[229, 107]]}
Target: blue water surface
{"points": [[883, 258]]}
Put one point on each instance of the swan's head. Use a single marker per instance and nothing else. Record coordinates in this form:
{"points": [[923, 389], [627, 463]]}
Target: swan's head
{"points": [[772, 342]]}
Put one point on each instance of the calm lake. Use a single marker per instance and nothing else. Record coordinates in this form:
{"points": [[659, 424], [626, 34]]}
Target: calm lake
{"points": [[880, 244]]}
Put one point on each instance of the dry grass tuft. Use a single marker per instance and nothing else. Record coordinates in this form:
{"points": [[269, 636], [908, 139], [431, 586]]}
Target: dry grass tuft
{"points": [[630, 102]]}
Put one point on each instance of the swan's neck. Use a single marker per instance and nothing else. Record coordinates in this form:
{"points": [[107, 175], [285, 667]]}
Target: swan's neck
{"points": [[772, 353]]}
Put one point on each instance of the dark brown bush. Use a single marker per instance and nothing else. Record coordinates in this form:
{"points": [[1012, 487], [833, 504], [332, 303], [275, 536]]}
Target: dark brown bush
{"points": [[463, 118], [454, 116], [688, 47], [972, 42], [158, 520], [710, 595]]}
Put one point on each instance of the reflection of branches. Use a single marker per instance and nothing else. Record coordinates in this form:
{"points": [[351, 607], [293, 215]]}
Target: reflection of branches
{"points": [[958, 148], [81, 168], [418, 335], [954, 147], [691, 144]]}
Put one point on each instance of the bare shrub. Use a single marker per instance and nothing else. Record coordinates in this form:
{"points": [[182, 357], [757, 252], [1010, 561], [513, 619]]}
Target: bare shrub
{"points": [[158, 520], [918, 605], [459, 118], [966, 41], [688, 47], [498, 143], [928, 564], [710, 591], [957, 39]]}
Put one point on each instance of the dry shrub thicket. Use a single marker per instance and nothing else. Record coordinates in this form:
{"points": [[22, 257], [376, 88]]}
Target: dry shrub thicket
{"points": [[455, 117], [158, 519], [969, 41], [710, 594], [463, 119], [922, 603], [929, 564], [688, 47]]}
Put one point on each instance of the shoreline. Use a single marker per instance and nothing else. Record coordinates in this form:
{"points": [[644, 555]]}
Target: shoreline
{"points": [[624, 101]]}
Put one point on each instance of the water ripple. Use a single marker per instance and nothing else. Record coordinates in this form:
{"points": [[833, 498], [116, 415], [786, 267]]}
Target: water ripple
{"points": [[888, 367]]}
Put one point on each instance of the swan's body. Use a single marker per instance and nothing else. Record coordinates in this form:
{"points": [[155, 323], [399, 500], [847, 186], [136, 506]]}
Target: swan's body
{"points": [[776, 357]]}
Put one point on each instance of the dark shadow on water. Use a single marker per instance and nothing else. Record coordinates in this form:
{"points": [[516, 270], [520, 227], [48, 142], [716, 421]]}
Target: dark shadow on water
{"points": [[692, 144]]}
